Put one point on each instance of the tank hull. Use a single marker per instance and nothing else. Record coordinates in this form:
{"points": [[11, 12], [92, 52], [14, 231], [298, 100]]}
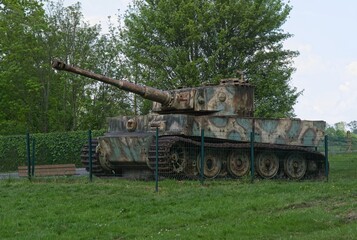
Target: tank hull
{"points": [[283, 147], [295, 132]]}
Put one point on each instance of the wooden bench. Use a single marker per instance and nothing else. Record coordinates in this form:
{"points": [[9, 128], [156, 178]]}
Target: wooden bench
{"points": [[49, 170]]}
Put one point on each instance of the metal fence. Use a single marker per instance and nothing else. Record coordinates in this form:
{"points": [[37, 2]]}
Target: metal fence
{"points": [[200, 158], [30, 151]]}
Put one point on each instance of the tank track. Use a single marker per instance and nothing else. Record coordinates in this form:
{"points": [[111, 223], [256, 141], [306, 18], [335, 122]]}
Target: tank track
{"points": [[167, 168], [183, 167], [97, 169]]}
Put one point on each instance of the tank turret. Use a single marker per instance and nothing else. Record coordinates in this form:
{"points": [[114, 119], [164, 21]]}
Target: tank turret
{"points": [[230, 97]]}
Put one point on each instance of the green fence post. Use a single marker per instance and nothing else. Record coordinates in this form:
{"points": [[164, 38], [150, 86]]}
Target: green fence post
{"points": [[33, 157], [90, 155], [157, 161], [326, 158], [252, 156], [202, 155], [28, 153]]}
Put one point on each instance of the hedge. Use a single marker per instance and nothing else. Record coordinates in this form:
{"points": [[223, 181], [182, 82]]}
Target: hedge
{"points": [[50, 148]]}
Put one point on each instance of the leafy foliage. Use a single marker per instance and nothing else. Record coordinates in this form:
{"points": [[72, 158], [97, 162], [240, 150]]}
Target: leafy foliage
{"points": [[339, 139], [35, 98], [12, 152], [186, 43], [22, 65], [51, 148]]}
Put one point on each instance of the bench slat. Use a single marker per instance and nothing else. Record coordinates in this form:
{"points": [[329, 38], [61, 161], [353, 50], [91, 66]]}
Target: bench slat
{"points": [[49, 170]]}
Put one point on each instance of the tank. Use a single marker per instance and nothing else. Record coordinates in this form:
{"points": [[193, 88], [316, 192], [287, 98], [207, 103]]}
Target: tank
{"points": [[283, 148]]}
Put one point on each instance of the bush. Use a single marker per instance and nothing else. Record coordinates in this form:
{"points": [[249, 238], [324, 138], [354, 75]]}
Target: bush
{"points": [[50, 148], [12, 152]]}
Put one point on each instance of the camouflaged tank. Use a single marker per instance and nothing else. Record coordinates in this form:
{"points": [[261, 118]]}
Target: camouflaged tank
{"points": [[283, 148]]}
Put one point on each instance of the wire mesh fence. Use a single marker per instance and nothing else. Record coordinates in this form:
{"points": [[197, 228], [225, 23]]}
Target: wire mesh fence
{"points": [[12, 154], [41, 154], [196, 158]]}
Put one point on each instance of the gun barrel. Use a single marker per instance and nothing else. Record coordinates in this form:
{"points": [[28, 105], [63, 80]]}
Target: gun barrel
{"points": [[163, 97]]}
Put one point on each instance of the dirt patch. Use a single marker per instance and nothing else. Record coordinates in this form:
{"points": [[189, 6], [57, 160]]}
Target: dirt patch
{"points": [[351, 216], [299, 205]]}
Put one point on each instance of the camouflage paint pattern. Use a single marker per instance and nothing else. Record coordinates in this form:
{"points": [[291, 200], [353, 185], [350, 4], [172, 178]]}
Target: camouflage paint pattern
{"points": [[230, 97], [127, 144]]}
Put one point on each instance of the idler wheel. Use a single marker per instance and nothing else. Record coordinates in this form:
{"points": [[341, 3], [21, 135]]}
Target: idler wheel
{"points": [[267, 164], [238, 163], [212, 164], [295, 166]]}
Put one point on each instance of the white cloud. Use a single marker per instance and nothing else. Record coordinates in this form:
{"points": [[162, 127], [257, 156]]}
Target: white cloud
{"points": [[352, 68], [304, 47], [345, 87], [309, 61], [349, 86]]}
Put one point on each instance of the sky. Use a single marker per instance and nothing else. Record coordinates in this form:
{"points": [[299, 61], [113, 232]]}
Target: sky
{"points": [[325, 34]]}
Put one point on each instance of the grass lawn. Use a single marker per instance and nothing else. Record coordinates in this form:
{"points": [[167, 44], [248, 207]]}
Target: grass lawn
{"points": [[73, 208]]}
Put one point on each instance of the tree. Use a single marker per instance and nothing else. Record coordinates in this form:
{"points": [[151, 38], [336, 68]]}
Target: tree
{"points": [[22, 24], [185, 43], [341, 126], [84, 103], [353, 126], [33, 97], [72, 40], [106, 100]]}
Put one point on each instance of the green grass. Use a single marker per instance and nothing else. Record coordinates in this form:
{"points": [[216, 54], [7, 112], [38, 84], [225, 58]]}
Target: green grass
{"points": [[73, 208]]}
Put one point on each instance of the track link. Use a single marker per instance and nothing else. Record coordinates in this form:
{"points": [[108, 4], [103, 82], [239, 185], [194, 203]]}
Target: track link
{"points": [[97, 169]]}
